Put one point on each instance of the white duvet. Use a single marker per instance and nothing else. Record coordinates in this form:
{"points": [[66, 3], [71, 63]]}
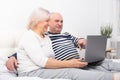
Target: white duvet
{"points": [[12, 77]]}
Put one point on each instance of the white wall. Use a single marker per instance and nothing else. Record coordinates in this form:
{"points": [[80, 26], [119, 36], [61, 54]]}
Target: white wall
{"points": [[81, 17]]}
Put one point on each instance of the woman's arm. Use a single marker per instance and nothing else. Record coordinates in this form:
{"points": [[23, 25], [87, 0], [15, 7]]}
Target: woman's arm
{"points": [[74, 63]]}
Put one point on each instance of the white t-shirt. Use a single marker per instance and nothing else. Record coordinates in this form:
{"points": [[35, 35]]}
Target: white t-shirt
{"points": [[33, 51]]}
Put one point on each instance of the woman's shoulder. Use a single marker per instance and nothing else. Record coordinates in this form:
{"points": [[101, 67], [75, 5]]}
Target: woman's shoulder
{"points": [[27, 35], [47, 38]]}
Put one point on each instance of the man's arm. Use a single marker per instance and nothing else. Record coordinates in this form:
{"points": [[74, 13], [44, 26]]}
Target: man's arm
{"points": [[78, 42], [14, 55], [11, 63]]}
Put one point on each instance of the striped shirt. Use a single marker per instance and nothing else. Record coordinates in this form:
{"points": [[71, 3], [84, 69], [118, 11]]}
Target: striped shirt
{"points": [[64, 46]]}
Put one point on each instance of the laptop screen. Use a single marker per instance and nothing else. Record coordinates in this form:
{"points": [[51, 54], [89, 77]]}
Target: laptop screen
{"points": [[95, 48]]}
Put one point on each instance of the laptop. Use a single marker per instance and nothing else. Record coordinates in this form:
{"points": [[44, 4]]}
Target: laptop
{"points": [[95, 48]]}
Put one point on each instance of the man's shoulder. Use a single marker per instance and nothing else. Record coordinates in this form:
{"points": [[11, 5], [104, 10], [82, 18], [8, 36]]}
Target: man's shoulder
{"points": [[47, 33], [66, 33], [60, 34]]}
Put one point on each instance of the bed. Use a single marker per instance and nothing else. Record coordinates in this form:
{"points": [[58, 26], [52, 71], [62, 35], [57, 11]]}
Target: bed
{"points": [[8, 44]]}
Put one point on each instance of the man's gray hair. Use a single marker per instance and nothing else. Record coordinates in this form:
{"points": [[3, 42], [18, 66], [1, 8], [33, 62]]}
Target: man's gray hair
{"points": [[38, 15], [53, 13]]}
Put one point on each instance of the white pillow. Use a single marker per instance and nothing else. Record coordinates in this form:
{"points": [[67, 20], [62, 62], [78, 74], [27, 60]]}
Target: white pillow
{"points": [[4, 53]]}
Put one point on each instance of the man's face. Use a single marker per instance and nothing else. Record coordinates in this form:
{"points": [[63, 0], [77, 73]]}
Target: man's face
{"points": [[55, 23]]}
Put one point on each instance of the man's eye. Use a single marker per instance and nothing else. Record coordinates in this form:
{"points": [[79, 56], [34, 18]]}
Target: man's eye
{"points": [[57, 21]]}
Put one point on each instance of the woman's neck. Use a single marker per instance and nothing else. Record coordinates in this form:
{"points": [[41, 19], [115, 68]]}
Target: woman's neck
{"points": [[40, 33]]}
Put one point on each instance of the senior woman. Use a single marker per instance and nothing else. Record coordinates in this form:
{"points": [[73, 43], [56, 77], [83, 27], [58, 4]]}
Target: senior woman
{"points": [[36, 56]]}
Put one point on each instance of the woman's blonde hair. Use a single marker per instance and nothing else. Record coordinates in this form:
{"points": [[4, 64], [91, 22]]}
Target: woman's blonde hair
{"points": [[37, 15]]}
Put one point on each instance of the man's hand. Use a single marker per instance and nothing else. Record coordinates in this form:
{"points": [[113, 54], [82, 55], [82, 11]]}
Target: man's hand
{"points": [[11, 63], [81, 43]]}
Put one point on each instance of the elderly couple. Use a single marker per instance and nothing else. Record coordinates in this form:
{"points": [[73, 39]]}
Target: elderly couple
{"points": [[53, 54]]}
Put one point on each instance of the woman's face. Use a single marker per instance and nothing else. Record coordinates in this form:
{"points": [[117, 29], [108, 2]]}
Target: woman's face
{"points": [[43, 25]]}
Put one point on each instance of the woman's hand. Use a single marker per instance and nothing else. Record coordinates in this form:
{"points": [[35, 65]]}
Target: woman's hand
{"points": [[77, 63]]}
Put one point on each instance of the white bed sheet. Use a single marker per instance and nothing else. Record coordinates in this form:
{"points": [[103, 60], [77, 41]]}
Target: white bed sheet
{"points": [[6, 77]]}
